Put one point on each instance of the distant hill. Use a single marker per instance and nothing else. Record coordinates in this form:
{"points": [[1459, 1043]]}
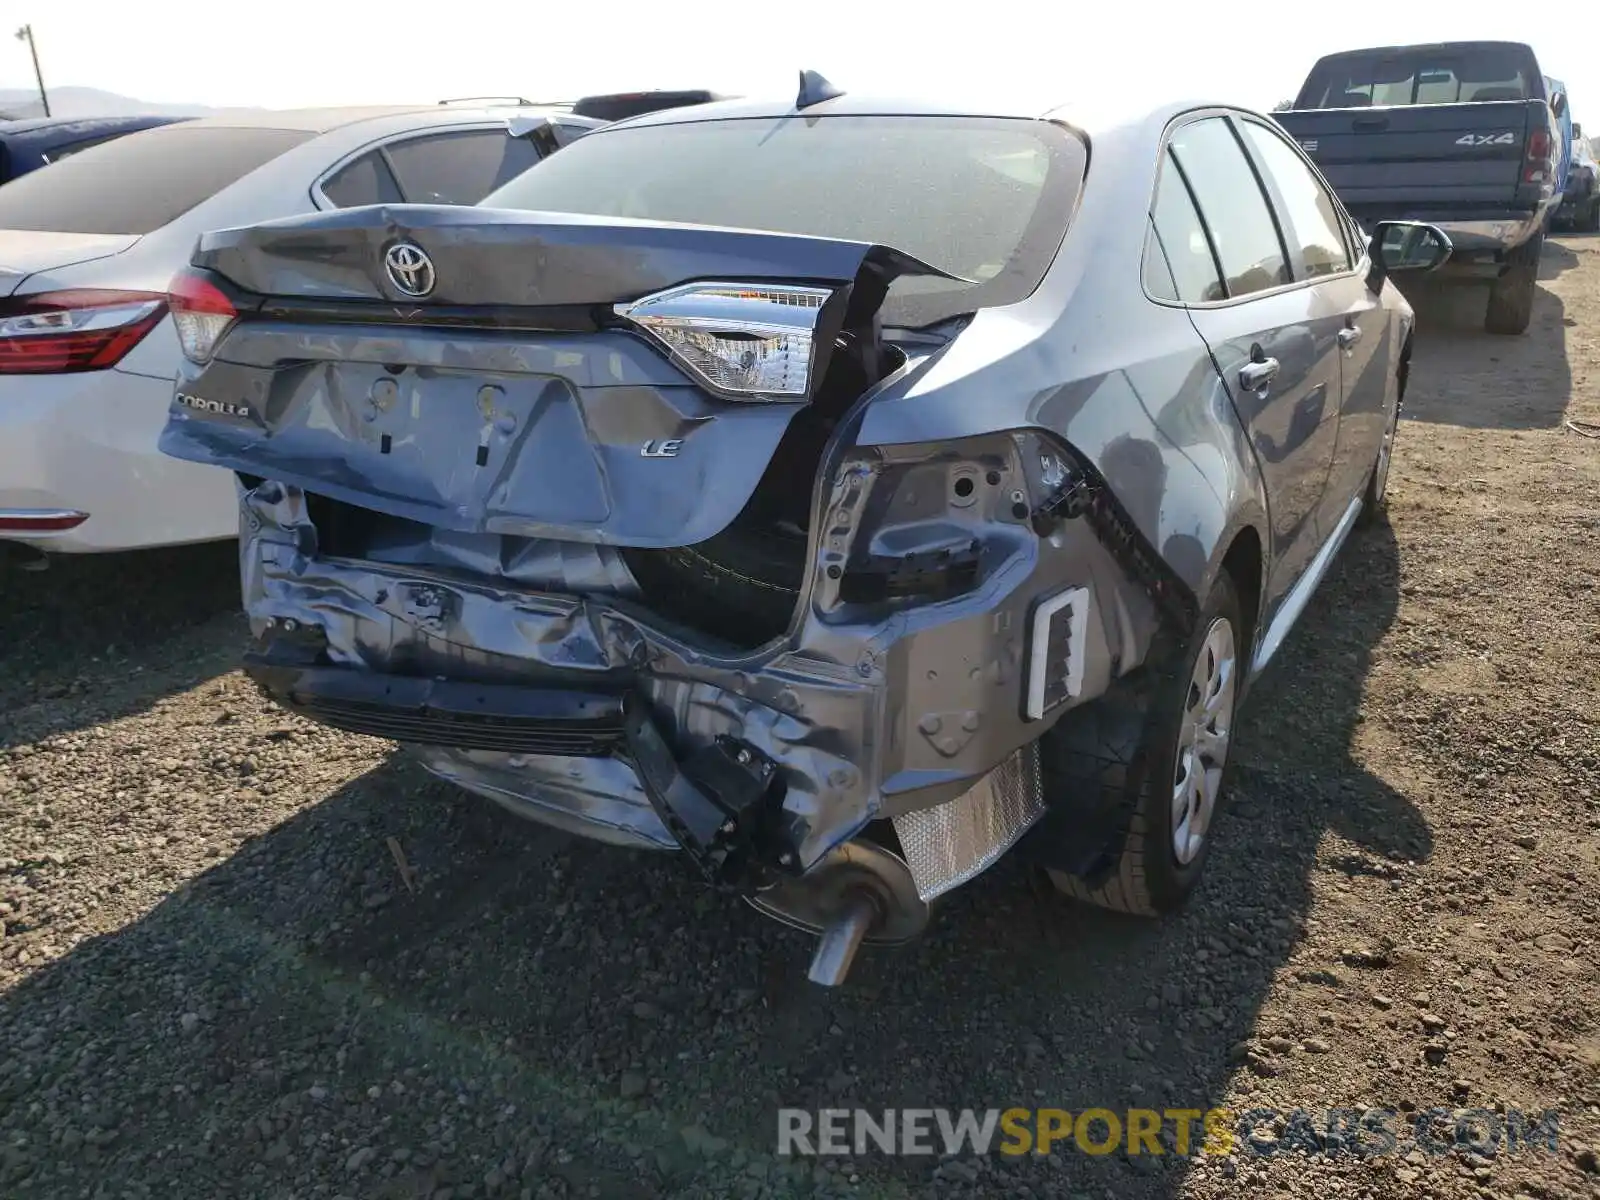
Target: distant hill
{"points": [[89, 102]]}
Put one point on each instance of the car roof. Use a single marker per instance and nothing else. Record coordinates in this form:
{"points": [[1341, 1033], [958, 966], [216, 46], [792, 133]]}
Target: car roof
{"points": [[847, 104], [1426, 47], [1089, 116], [324, 120], [51, 124]]}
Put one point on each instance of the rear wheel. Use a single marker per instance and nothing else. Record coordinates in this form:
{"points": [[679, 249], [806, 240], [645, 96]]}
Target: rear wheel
{"points": [[1161, 750], [1511, 297], [1377, 495], [1591, 222]]}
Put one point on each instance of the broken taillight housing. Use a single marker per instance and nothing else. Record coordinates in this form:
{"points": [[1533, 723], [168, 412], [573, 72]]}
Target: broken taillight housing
{"points": [[747, 341], [200, 312], [85, 329]]}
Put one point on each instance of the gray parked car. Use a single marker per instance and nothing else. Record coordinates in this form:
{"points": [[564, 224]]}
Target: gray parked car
{"points": [[832, 491]]}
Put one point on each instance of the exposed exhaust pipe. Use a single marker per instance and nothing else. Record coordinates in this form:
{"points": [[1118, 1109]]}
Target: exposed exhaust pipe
{"points": [[836, 949], [859, 894]]}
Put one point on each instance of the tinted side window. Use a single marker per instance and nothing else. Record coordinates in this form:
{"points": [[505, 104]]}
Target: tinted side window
{"points": [[1232, 206], [1311, 219], [365, 181], [1179, 233], [1158, 279], [458, 168]]}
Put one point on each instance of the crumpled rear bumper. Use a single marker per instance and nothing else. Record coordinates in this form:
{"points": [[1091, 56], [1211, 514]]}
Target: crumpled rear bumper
{"points": [[544, 731], [588, 712]]}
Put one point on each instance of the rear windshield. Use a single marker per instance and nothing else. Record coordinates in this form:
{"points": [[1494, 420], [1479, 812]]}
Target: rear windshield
{"points": [[986, 199], [1422, 75], [138, 183]]}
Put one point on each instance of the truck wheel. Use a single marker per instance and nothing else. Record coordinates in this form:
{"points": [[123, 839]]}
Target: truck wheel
{"points": [[1591, 223], [1159, 746], [1511, 297]]}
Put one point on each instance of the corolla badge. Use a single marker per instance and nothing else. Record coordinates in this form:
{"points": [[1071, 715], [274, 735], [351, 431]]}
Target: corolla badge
{"points": [[220, 407], [410, 269]]}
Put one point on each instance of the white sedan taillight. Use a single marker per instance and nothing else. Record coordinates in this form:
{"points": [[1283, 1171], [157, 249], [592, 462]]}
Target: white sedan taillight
{"points": [[200, 313], [748, 341], [85, 329]]}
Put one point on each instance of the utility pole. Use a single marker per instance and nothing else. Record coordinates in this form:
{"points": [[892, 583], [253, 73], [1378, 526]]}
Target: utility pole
{"points": [[25, 34]]}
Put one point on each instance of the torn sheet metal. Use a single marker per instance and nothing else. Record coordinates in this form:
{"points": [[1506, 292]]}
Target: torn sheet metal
{"points": [[866, 719]]}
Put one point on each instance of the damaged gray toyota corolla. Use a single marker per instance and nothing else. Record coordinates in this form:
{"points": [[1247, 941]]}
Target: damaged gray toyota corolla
{"points": [[839, 493]]}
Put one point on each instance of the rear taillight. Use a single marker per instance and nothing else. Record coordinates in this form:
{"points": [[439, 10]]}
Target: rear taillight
{"points": [[748, 341], [86, 329], [1541, 157], [201, 314]]}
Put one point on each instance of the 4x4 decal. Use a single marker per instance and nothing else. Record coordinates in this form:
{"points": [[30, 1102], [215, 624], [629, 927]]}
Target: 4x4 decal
{"points": [[1487, 139]]}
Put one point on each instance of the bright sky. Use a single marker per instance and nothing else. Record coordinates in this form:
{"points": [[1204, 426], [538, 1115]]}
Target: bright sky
{"points": [[289, 53]]}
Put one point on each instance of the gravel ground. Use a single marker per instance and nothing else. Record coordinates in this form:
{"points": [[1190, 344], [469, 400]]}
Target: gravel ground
{"points": [[215, 981]]}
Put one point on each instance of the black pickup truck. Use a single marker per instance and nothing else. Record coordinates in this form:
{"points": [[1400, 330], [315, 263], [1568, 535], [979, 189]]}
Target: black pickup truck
{"points": [[1462, 135]]}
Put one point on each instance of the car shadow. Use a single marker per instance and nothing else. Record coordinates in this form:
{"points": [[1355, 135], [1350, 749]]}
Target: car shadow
{"points": [[502, 1002], [1466, 377], [1557, 259], [151, 622]]}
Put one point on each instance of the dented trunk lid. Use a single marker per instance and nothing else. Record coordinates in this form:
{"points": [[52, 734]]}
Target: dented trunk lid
{"points": [[510, 398]]}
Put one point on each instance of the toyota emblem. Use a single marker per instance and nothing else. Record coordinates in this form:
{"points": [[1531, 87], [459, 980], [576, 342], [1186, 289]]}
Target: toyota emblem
{"points": [[410, 269]]}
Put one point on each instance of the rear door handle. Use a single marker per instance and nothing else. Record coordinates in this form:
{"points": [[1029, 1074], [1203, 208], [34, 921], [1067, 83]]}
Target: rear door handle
{"points": [[1255, 376], [1349, 336]]}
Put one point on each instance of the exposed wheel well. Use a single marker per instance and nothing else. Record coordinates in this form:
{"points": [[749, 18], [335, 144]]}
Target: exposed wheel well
{"points": [[1242, 562]]}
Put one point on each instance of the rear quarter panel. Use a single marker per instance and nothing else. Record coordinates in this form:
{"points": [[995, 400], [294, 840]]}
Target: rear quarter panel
{"points": [[1089, 358]]}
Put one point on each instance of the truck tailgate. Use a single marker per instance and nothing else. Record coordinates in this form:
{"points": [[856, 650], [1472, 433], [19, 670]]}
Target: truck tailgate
{"points": [[1437, 156]]}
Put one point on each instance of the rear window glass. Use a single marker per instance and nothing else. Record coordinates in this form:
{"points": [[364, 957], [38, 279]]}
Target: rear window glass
{"points": [[986, 199], [138, 183], [365, 181], [1436, 75], [458, 168]]}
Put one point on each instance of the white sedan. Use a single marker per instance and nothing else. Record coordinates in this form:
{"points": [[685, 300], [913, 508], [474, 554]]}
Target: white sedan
{"points": [[88, 350]]}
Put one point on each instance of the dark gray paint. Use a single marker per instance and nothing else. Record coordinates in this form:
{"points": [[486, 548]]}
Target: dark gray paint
{"points": [[502, 257]]}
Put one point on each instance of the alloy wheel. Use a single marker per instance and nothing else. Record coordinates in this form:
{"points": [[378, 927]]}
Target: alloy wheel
{"points": [[1205, 728]]}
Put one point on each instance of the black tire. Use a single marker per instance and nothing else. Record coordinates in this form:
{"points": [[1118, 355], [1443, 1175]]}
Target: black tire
{"points": [[1591, 223], [742, 585], [1511, 297], [1126, 746]]}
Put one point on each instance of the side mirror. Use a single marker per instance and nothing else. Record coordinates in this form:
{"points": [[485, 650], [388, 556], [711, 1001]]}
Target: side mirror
{"points": [[1558, 103], [1408, 246]]}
